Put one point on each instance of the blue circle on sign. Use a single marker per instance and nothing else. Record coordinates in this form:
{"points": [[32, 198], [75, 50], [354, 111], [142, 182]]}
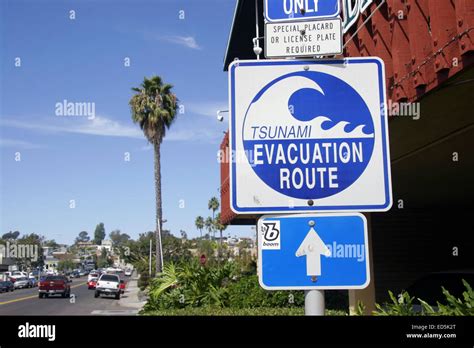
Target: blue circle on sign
{"points": [[308, 135]]}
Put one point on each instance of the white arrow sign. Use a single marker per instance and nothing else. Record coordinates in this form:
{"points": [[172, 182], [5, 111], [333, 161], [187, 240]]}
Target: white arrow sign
{"points": [[313, 247]]}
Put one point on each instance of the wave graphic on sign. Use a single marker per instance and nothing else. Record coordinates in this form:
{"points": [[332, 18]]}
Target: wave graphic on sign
{"points": [[338, 131], [308, 105], [308, 135]]}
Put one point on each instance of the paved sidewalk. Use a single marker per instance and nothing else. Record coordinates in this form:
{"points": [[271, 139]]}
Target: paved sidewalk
{"points": [[130, 299]]}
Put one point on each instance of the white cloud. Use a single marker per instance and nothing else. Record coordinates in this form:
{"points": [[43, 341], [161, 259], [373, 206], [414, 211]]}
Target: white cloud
{"points": [[103, 126], [98, 126], [186, 41], [206, 108], [20, 144]]}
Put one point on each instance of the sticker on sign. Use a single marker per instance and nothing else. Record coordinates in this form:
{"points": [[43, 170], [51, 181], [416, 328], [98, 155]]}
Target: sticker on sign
{"points": [[303, 39], [309, 136]]}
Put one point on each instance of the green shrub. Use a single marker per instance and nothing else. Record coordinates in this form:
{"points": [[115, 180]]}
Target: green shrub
{"points": [[210, 311], [454, 306], [247, 293], [401, 306], [143, 281], [190, 285]]}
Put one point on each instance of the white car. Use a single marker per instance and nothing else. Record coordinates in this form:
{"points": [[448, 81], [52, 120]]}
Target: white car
{"points": [[16, 274], [128, 272], [21, 282], [92, 275], [108, 284]]}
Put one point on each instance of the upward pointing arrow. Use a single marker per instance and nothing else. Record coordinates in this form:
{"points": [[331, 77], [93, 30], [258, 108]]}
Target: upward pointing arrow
{"points": [[313, 247]]}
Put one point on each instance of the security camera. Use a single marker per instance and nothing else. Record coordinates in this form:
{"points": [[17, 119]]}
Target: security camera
{"points": [[257, 50]]}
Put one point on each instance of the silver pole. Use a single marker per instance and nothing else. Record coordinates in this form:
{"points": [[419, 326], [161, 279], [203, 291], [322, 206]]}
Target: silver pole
{"points": [[149, 263], [314, 302], [161, 247], [257, 31]]}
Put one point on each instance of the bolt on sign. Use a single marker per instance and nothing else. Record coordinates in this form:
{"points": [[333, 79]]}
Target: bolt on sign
{"points": [[308, 136]]}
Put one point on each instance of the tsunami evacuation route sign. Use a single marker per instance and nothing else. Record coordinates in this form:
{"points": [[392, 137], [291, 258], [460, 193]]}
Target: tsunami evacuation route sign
{"points": [[308, 136]]}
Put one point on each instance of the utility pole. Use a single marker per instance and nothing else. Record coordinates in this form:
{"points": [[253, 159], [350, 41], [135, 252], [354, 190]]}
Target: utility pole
{"points": [[161, 247], [149, 259]]}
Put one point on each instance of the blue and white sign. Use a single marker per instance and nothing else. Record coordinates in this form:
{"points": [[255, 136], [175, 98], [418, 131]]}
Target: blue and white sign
{"points": [[309, 136], [290, 10], [313, 251]]}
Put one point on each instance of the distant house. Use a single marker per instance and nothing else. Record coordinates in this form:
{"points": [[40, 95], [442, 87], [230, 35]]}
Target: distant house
{"points": [[51, 263], [107, 244]]}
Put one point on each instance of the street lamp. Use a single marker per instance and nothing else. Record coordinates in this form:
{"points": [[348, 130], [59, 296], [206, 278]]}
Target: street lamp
{"points": [[219, 113]]}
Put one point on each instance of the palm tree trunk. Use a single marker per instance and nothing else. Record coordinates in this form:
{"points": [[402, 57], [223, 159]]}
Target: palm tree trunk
{"points": [[159, 215]]}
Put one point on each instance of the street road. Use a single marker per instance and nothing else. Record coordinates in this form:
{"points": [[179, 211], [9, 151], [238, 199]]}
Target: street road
{"points": [[82, 302]]}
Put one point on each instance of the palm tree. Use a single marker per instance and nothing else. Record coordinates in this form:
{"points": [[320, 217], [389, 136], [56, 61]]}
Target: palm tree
{"points": [[153, 107], [220, 227], [199, 224], [213, 205], [209, 223]]}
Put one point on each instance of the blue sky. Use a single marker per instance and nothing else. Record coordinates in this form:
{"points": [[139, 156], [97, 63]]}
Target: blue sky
{"points": [[81, 159]]}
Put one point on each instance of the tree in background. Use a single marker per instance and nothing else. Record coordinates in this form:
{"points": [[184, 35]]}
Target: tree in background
{"points": [[118, 238], [11, 235], [99, 233], [104, 260], [207, 248], [36, 241], [209, 224], [199, 224], [154, 107], [174, 249], [218, 225], [50, 243], [82, 237], [213, 205], [66, 265]]}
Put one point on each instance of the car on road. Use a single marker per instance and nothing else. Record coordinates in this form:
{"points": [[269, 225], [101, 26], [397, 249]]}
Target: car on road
{"points": [[93, 275], [92, 283], [108, 284], [128, 272], [6, 286], [54, 285], [16, 274], [22, 282], [32, 282]]}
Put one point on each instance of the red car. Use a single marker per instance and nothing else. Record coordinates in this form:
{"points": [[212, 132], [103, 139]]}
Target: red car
{"points": [[91, 284], [54, 285]]}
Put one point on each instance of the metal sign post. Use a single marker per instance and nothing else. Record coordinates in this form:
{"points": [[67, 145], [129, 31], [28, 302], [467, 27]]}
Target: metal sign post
{"points": [[314, 302]]}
